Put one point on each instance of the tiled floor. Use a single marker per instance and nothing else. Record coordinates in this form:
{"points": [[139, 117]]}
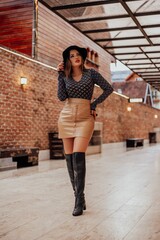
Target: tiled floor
{"points": [[122, 193]]}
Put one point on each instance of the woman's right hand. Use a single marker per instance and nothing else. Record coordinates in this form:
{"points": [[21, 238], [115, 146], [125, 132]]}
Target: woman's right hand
{"points": [[60, 67]]}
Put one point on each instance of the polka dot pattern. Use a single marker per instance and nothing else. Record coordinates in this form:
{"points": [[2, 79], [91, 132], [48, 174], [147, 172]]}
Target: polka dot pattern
{"points": [[69, 88]]}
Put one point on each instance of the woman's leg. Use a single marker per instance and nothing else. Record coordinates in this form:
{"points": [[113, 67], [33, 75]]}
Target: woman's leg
{"points": [[79, 167], [68, 149], [68, 145], [80, 144]]}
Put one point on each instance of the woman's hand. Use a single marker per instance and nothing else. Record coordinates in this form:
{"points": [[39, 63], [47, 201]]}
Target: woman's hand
{"points": [[93, 113], [60, 67]]}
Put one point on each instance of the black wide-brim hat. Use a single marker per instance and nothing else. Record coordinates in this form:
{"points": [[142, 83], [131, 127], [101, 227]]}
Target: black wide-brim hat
{"points": [[82, 51]]}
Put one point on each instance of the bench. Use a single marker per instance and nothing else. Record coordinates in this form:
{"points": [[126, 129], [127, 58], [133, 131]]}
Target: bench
{"points": [[18, 157], [134, 142], [55, 146]]}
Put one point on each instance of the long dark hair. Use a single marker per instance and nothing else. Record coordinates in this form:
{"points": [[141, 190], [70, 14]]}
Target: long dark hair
{"points": [[68, 67]]}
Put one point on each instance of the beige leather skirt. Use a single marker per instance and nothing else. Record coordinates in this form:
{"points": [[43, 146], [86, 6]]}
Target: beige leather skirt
{"points": [[75, 119]]}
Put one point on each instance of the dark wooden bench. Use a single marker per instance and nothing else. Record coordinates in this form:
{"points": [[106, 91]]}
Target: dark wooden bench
{"points": [[24, 157], [55, 146], [134, 142], [152, 137]]}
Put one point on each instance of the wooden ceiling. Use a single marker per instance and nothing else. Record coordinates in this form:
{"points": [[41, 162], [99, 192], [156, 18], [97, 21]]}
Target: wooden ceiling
{"points": [[16, 25]]}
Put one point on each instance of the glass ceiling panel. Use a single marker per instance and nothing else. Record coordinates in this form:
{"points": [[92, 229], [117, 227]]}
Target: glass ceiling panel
{"points": [[156, 60], [114, 23], [120, 22], [143, 66], [152, 31], [115, 34], [125, 43], [136, 5], [82, 13], [114, 9], [149, 20], [149, 6], [56, 3], [151, 55], [142, 70], [102, 35], [91, 25], [126, 50], [156, 40], [95, 11], [153, 74], [148, 70], [137, 61], [128, 33], [99, 35], [152, 48], [131, 56], [152, 77]]}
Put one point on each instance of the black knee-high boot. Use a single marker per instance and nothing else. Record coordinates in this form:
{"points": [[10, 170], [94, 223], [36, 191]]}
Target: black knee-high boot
{"points": [[79, 167], [69, 162]]}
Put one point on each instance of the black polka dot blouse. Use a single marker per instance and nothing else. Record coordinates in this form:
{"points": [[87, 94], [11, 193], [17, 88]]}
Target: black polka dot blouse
{"points": [[69, 88]]}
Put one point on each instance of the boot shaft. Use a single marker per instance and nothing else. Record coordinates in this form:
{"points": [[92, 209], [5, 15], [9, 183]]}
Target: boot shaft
{"points": [[79, 167], [69, 161]]}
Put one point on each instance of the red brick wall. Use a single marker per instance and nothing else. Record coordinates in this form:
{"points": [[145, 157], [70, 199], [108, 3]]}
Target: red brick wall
{"points": [[120, 124], [26, 116]]}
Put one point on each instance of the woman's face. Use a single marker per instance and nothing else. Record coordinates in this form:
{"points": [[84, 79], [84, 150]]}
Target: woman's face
{"points": [[75, 58]]}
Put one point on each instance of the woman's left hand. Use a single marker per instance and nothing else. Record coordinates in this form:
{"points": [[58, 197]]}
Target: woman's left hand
{"points": [[60, 67], [93, 113]]}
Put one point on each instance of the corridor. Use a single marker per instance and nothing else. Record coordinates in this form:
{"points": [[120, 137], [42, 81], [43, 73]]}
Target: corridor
{"points": [[122, 195]]}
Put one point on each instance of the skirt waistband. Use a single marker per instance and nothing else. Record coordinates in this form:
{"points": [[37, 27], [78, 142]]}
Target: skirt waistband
{"points": [[78, 101]]}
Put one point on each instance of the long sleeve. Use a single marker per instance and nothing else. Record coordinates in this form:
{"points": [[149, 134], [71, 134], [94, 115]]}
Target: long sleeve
{"points": [[104, 85], [62, 93]]}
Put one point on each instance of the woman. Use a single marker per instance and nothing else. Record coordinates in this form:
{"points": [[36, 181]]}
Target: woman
{"points": [[76, 120]]}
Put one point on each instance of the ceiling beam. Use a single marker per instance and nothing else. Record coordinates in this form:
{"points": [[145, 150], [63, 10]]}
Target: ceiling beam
{"points": [[123, 38], [139, 64], [135, 20], [153, 80], [135, 59], [132, 59], [134, 53], [151, 75], [129, 46], [150, 58], [118, 29], [65, 19], [86, 4], [92, 19], [142, 68], [157, 81], [147, 72]]}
